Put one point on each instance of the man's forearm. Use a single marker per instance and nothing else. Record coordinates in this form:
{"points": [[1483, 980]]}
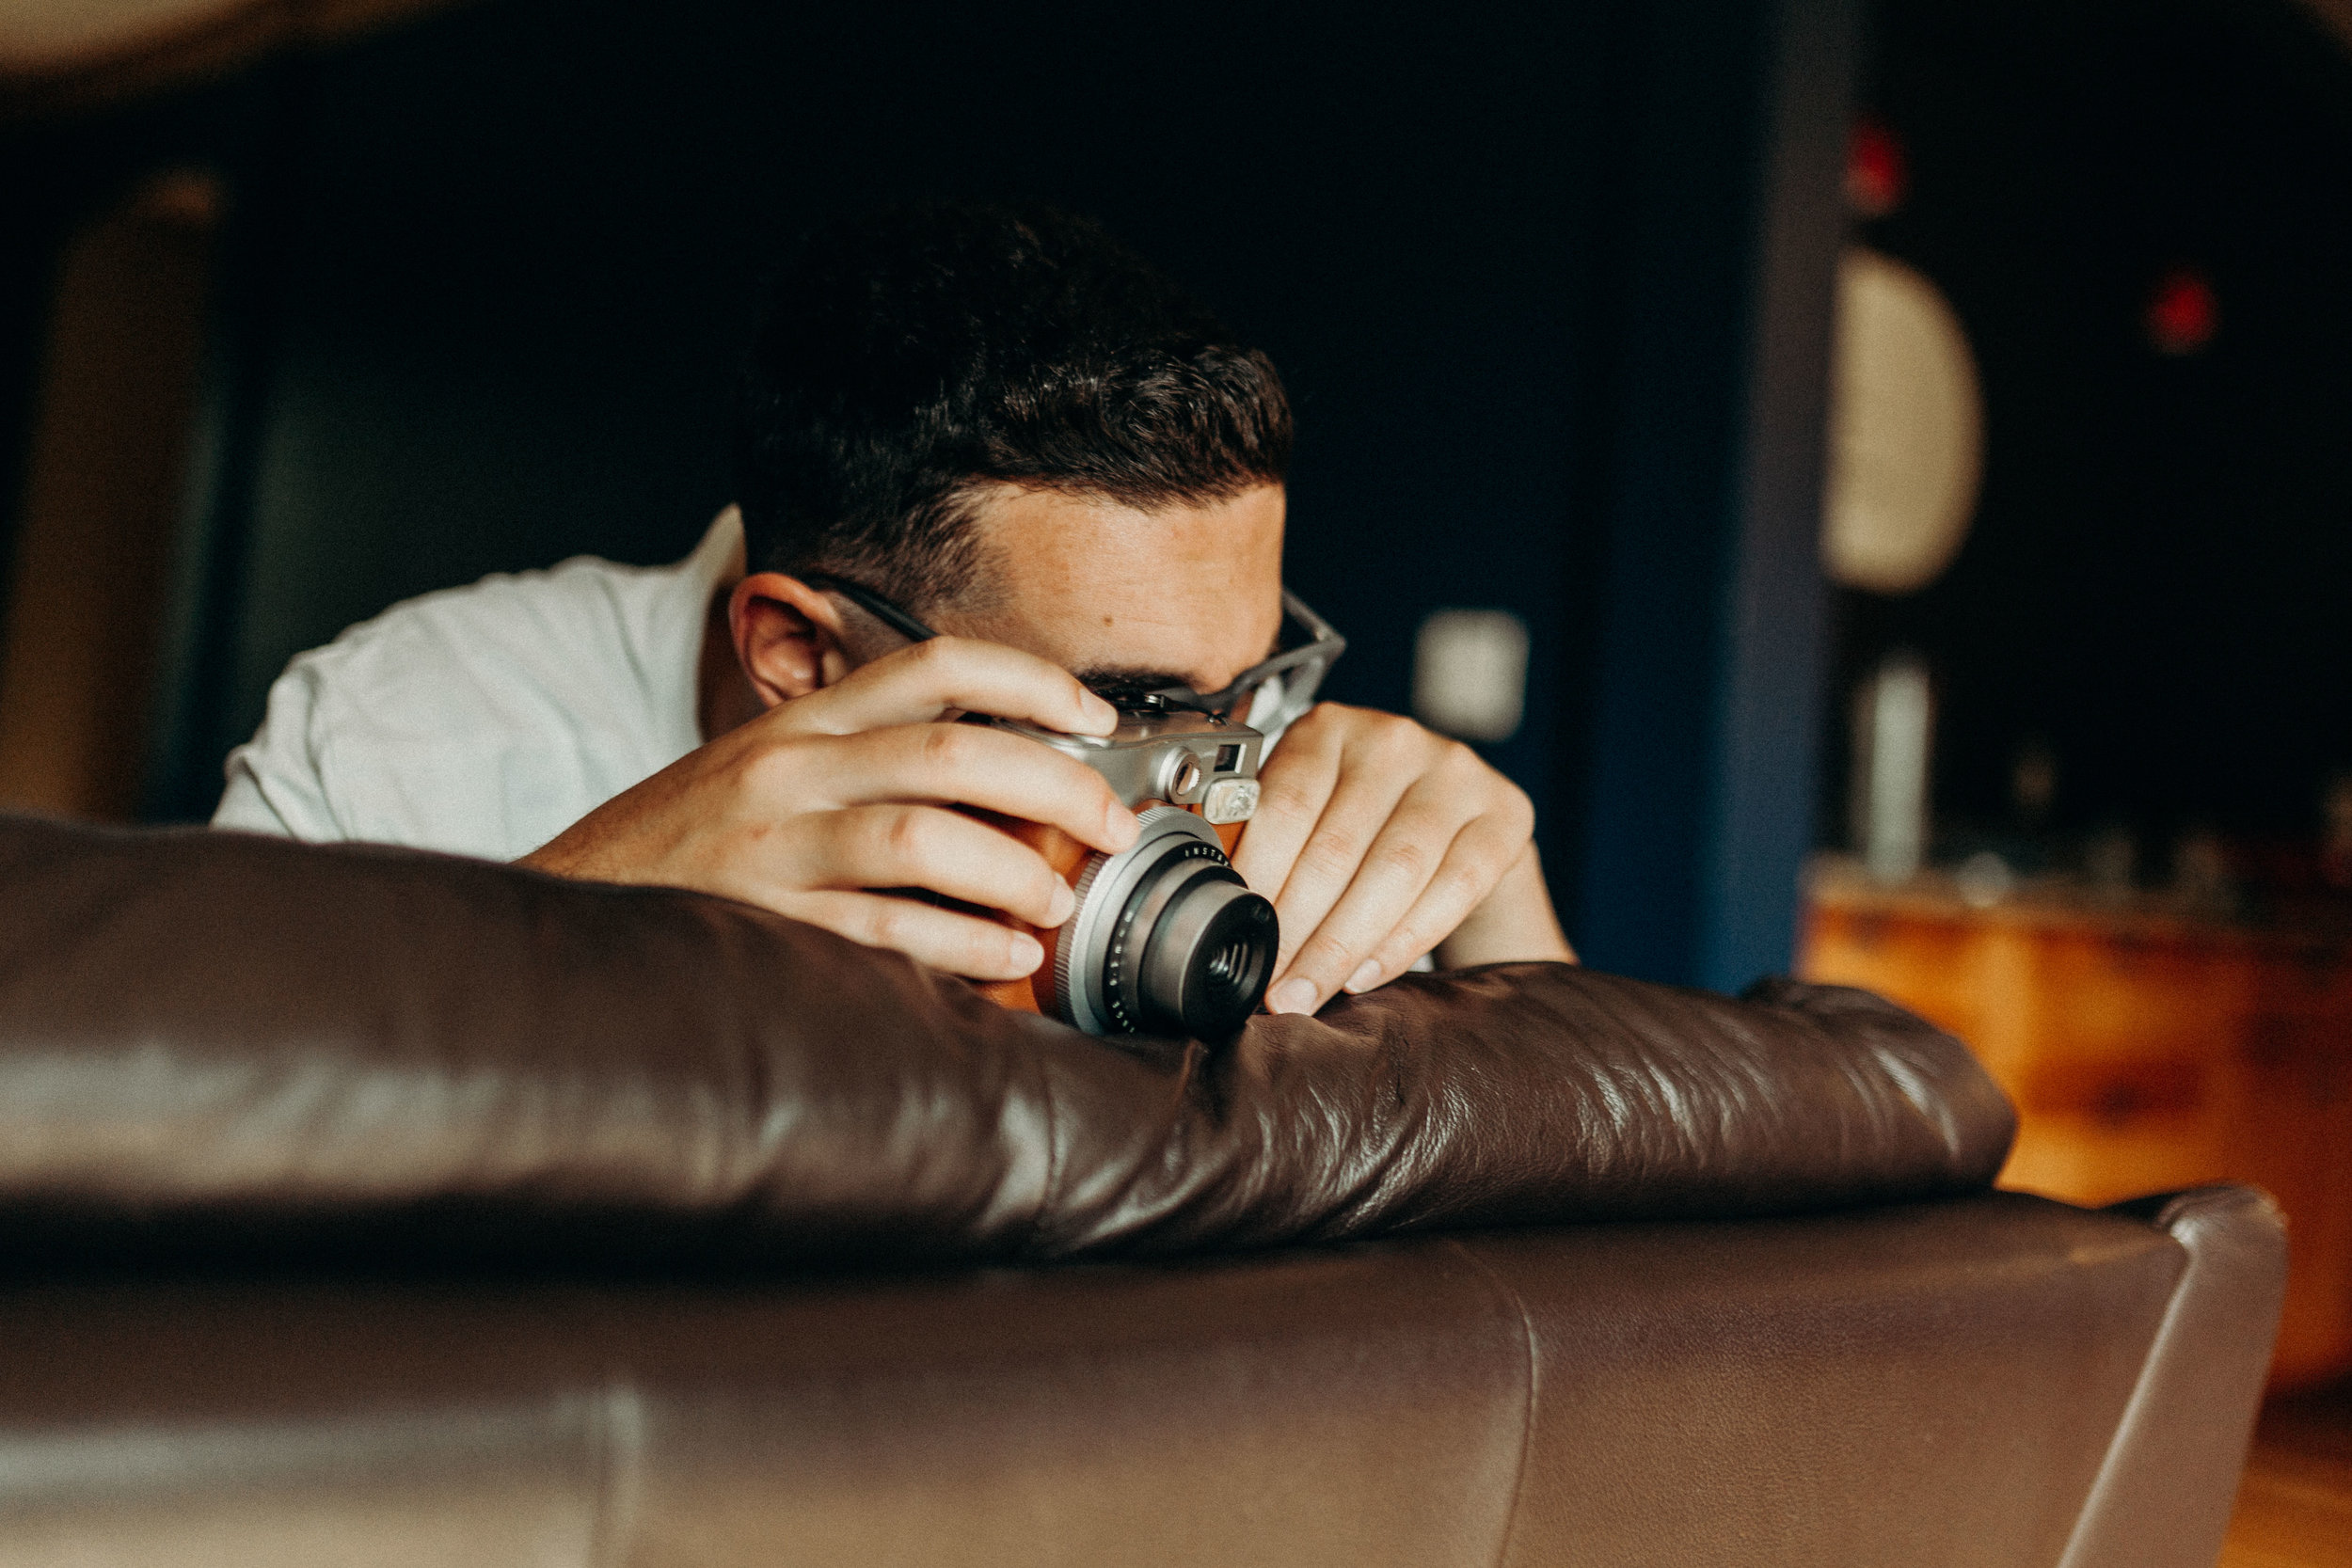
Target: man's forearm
{"points": [[1515, 925]]}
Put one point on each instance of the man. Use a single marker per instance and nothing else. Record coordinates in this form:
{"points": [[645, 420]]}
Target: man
{"points": [[1004, 424]]}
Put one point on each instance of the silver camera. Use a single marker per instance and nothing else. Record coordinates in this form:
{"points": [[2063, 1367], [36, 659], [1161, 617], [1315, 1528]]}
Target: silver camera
{"points": [[1167, 939]]}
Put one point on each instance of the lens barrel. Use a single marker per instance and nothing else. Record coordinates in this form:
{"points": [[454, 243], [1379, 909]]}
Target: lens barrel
{"points": [[1167, 939], [1206, 965]]}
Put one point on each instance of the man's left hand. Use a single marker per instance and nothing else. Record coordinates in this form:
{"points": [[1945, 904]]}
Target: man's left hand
{"points": [[1378, 841]]}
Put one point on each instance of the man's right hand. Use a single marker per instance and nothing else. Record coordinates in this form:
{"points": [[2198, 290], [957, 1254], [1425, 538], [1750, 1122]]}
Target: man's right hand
{"points": [[818, 801]]}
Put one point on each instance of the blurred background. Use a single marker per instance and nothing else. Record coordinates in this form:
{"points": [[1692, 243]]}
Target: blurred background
{"points": [[1879, 472]]}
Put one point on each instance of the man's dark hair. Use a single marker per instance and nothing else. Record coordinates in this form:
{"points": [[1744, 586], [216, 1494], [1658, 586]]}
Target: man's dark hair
{"points": [[914, 356]]}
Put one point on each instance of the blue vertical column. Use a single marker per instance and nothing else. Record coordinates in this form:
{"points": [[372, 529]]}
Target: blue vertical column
{"points": [[1695, 805]]}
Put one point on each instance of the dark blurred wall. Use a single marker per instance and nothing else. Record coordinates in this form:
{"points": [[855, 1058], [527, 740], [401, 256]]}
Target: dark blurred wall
{"points": [[2158, 586], [524, 243], [488, 276]]}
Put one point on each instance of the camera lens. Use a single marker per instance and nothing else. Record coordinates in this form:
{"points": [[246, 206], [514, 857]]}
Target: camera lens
{"points": [[1207, 956], [1167, 940]]}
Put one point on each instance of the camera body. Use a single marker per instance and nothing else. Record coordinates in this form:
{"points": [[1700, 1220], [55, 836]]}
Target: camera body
{"points": [[1167, 939]]}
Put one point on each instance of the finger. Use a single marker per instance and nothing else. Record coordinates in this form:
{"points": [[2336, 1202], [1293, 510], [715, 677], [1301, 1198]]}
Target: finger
{"points": [[923, 681], [971, 765], [959, 944], [1293, 788], [1334, 853], [1404, 855], [1480, 857], [939, 850]]}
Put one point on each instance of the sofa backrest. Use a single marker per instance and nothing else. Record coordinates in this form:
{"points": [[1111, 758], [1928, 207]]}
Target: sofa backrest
{"points": [[213, 1042]]}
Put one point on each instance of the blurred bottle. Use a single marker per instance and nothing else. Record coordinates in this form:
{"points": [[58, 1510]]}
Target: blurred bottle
{"points": [[1894, 730], [2202, 879], [1983, 879], [2111, 862], [2033, 786]]}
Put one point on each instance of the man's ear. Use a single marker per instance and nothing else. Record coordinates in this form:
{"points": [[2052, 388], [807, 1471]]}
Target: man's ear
{"points": [[788, 636]]}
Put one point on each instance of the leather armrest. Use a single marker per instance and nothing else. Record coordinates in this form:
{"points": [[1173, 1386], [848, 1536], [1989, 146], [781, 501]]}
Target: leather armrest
{"points": [[2163, 1496]]}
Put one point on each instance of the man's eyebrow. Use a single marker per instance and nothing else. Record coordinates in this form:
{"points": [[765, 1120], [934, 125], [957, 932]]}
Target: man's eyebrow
{"points": [[1152, 680]]}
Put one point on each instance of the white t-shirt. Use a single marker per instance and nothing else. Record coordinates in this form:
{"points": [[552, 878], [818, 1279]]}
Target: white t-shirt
{"points": [[484, 721]]}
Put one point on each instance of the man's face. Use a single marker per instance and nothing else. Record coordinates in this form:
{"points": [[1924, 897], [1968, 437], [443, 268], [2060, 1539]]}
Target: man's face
{"points": [[1186, 593]]}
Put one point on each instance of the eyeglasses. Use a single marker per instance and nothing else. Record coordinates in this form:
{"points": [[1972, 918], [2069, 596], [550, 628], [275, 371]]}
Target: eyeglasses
{"points": [[1270, 695]]}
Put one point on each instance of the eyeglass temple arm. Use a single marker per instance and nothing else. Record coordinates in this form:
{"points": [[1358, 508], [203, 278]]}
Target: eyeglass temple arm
{"points": [[875, 605], [1318, 629]]}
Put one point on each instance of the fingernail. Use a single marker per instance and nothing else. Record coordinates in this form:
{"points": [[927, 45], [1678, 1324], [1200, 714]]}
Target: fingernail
{"points": [[1026, 953], [1292, 996], [1121, 825], [1063, 902], [1101, 712], [1366, 977]]}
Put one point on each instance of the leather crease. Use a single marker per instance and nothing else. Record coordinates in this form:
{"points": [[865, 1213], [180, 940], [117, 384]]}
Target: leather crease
{"points": [[1533, 1387]]}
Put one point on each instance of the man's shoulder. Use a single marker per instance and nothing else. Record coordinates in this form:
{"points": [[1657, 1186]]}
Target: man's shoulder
{"points": [[511, 651], [585, 643], [484, 719]]}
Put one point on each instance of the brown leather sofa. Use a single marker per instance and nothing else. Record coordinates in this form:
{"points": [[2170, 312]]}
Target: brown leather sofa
{"points": [[364, 1207]]}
